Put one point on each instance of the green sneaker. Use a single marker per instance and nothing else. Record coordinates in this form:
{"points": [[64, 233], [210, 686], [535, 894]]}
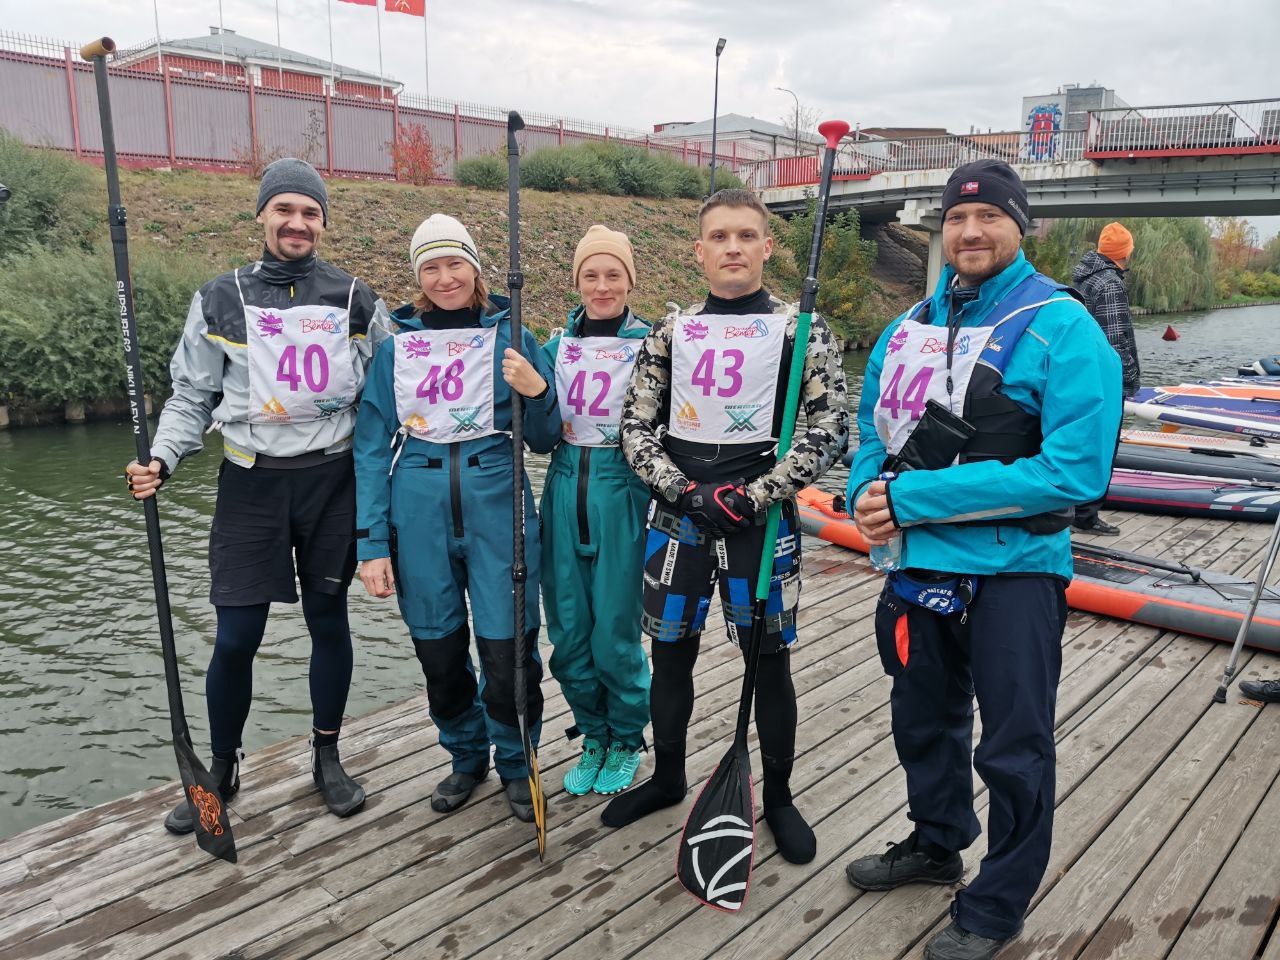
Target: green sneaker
{"points": [[619, 769], [582, 777]]}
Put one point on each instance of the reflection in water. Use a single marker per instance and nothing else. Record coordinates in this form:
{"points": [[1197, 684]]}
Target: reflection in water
{"points": [[85, 719]]}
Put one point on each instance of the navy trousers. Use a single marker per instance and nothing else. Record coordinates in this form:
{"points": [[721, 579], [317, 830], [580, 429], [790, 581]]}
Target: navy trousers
{"points": [[1007, 652]]}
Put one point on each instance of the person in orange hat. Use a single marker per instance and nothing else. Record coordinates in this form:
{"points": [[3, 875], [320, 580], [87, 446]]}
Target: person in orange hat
{"points": [[1099, 276]]}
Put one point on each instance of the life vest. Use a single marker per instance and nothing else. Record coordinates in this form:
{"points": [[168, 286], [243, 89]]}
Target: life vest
{"points": [[1005, 432]]}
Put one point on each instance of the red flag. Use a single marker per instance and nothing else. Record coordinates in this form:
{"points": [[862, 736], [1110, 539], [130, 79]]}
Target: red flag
{"points": [[363, 3], [414, 8]]}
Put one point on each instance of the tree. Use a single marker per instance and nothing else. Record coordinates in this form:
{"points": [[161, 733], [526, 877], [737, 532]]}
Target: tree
{"points": [[1235, 239], [844, 274], [801, 122]]}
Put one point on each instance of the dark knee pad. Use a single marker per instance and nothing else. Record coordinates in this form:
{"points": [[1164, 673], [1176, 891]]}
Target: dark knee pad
{"points": [[451, 687], [498, 659]]}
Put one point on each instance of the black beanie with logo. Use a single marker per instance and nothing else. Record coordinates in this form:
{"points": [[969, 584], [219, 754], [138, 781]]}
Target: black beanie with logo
{"points": [[988, 181]]}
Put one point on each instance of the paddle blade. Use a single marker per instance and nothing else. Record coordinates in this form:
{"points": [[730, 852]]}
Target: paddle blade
{"points": [[535, 789], [213, 826], [716, 849]]}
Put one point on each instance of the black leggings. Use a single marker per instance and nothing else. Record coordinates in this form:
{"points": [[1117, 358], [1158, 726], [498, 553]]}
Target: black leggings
{"points": [[229, 683], [671, 704]]}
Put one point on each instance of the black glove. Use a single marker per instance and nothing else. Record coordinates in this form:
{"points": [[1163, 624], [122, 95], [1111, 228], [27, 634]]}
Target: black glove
{"points": [[718, 509]]}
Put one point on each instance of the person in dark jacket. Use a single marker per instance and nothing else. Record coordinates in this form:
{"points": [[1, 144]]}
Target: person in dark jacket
{"points": [[1099, 277], [274, 355]]}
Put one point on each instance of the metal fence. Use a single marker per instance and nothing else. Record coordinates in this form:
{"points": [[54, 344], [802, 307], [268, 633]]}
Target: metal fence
{"points": [[1194, 129], [165, 120]]}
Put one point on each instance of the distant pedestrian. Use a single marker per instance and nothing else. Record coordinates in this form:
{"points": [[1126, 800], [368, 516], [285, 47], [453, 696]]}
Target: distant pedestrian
{"points": [[1099, 276]]}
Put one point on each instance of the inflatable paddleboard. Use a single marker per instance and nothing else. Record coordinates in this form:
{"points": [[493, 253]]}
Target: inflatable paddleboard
{"points": [[1263, 391], [1199, 441], [1178, 495], [1117, 584], [1205, 417], [1222, 464]]}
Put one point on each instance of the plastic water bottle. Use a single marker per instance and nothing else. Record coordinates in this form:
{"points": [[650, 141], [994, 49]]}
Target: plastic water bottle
{"points": [[888, 557]]}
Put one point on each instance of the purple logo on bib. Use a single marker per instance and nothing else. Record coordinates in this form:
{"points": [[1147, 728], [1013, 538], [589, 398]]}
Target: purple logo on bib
{"points": [[626, 353], [417, 348], [572, 353], [897, 341], [270, 325], [693, 330], [755, 329], [326, 324]]}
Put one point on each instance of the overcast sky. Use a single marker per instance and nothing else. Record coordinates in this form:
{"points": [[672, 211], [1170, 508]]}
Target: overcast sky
{"points": [[892, 62]]}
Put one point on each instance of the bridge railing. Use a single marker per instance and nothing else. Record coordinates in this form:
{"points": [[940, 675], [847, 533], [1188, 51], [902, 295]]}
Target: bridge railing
{"points": [[862, 158], [1191, 129]]}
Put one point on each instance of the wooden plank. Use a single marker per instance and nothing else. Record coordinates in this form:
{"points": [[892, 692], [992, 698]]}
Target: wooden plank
{"points": [[1235, 914], [1165, 894], [33, 921]]}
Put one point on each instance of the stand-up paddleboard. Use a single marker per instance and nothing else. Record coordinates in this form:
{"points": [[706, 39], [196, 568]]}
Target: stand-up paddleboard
{"points": [[1228, 390], [1117, 584], [1178, 495], [1203, 414], [1182, 440], [1221, 464]]}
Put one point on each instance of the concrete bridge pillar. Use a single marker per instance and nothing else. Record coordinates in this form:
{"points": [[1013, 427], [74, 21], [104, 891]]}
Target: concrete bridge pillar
{"points": [[916, 214]]}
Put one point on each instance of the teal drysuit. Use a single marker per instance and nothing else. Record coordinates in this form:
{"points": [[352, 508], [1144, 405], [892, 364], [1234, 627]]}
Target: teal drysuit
{"points": [[593, 520]]}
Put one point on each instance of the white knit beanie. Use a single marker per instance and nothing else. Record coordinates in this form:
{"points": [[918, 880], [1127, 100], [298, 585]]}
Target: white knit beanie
{"points": [[441, 236]]}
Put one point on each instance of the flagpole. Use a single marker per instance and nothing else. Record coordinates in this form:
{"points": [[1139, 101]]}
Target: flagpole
{"points": [[333, 73], [222, 42], [155, 10], [426, 63], [279, 63], [380, 75]]}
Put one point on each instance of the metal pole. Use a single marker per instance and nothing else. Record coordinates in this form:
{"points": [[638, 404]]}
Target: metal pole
{"points": [[426, 58], [1273, 546], [333, 73], [380, 79], [222, 42], [715, 110], [155, 12], [795, 127], [279, 63]]}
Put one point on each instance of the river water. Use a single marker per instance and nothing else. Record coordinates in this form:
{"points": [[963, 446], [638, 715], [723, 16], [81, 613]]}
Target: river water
{"points": [[85, 719]]}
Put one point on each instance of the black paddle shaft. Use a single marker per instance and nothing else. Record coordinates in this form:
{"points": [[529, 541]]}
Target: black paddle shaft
{"points": [[213, 829]]}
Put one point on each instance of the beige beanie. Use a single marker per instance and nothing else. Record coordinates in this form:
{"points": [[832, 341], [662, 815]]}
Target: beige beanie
{"points": [[441, 236], [601, 239]]}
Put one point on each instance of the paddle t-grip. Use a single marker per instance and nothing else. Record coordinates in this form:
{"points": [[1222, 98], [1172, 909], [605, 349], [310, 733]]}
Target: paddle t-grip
{"points": [[834, 131], [98, 48]]}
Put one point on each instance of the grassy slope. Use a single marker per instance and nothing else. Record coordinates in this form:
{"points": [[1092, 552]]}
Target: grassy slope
{"points": [[371, 223]]}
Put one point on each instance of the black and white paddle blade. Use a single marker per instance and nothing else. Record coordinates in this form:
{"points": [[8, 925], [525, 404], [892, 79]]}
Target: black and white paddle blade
{"points": [[208, 812], [718, 844]]}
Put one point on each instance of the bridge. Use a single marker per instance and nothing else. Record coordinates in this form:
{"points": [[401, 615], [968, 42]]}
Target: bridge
{"points": [[1205, 159]]}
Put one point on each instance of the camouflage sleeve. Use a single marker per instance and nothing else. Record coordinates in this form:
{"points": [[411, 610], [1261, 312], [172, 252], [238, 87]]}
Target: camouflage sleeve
{"points": [[644, 410], [826, 408]]}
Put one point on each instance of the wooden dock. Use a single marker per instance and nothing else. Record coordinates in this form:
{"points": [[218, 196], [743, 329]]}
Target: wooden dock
{"points": [[1165, 841]]}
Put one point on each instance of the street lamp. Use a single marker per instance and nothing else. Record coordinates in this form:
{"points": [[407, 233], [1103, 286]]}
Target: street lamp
{"points": [[715, 109], [795, 127]]}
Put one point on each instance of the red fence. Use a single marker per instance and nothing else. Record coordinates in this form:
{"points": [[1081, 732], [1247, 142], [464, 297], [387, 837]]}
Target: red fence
{"points": [[164, 120]]}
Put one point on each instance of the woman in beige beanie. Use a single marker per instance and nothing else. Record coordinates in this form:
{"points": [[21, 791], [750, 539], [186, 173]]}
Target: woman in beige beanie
{"points": [[593, 510]]}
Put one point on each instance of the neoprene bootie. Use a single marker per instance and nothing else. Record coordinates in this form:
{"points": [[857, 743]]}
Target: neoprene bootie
{"points": [[227, 772], [342, 795], [453, 791]]}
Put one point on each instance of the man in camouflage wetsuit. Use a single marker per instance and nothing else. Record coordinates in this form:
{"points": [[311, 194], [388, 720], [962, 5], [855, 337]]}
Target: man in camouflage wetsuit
{"points": [[700, 426]]}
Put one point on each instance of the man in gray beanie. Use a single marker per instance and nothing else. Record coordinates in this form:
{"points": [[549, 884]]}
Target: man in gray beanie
{"points": [[274, 355]]}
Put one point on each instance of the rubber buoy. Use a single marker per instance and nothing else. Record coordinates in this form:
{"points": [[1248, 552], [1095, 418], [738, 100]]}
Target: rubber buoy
{"points": [[1170, 334]]}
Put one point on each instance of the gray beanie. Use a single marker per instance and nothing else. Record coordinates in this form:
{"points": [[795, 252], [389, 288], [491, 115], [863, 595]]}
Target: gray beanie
{"points": [[292, 175]]}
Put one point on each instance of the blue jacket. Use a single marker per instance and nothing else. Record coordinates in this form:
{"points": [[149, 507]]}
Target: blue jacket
{"points": [[1062, 369], [377, 424]]}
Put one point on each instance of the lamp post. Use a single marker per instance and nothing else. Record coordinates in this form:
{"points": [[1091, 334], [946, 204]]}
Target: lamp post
{"points": [[715, 109], [795, 127]]}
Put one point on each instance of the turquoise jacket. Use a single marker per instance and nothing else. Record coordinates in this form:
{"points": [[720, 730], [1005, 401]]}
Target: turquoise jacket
{"points": [[1062, 369], [607, 461], [377, 424]]}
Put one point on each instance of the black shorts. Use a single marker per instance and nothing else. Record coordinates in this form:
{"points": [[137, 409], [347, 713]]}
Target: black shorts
{"points": [[266, 517], [683, 566]]}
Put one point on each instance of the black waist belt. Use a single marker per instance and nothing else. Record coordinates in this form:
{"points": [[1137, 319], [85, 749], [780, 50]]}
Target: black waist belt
{"points": [[302, 460]]}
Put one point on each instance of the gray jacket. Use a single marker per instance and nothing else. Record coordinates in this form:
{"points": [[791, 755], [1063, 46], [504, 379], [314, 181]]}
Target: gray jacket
{"points": [[210, 367], [1101, 283]]}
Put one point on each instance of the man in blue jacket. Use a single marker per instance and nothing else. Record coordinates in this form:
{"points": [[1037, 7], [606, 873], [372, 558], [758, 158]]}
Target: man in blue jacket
{"points": [[978, 604]]}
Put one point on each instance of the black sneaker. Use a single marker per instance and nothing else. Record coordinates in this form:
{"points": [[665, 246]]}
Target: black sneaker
{"points": [[453, 791], [902, 863], [1268, 691], [1099, 528], [227, 773], [957, 943]]}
